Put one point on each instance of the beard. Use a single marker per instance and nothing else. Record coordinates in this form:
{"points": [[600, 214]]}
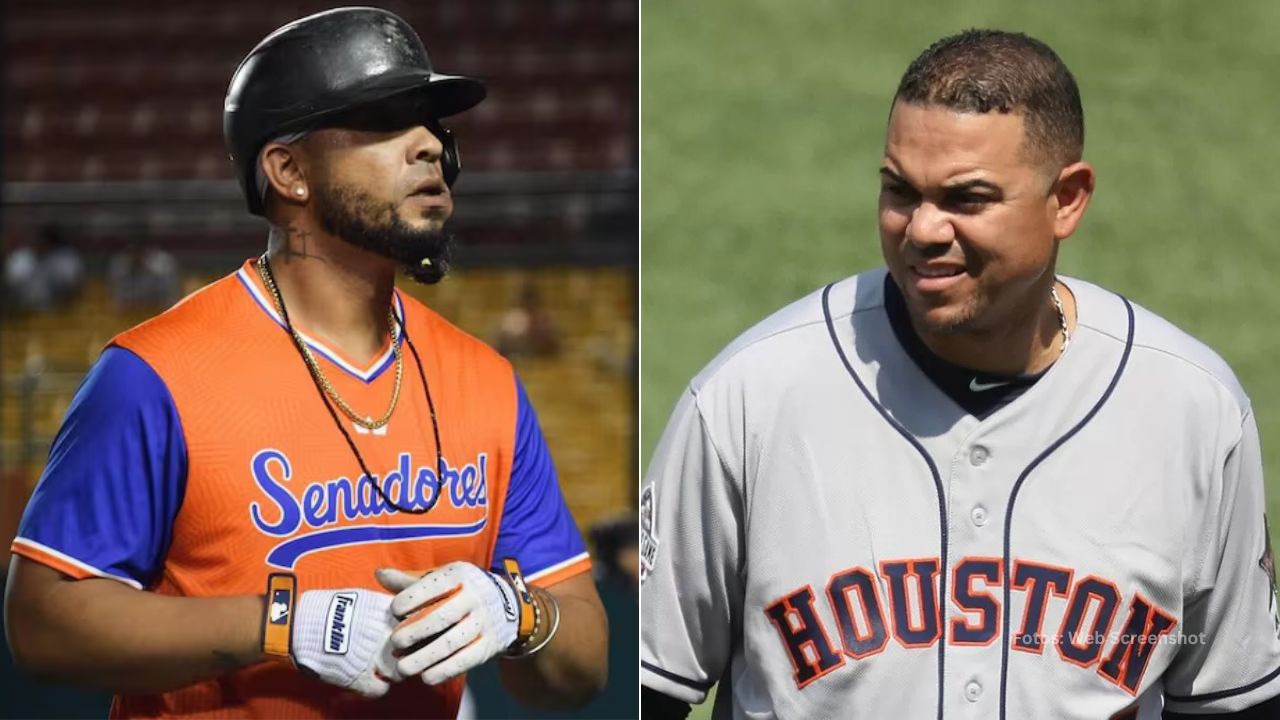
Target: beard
{"points": [[959, 321], [356, 217], [960, 318]]}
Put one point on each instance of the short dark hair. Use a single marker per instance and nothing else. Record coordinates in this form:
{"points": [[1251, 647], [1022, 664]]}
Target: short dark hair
{"points": [[981, 71]]}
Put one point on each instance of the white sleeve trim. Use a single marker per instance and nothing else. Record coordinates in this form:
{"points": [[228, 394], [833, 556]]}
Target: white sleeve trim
{"points": [[558, 566], [76, 563]]}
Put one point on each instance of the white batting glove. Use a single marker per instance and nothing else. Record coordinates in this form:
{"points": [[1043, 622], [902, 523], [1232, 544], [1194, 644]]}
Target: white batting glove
{"points": [[341, 637], [476, 618]]}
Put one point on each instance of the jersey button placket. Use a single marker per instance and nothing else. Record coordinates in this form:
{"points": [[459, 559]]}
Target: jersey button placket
{"points": [[978, 482], [972, 691], [978, 455], [978, 515]]}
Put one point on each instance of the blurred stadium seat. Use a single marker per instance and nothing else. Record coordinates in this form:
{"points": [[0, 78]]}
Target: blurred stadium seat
{"points": [[114, 112], [136, 79]]}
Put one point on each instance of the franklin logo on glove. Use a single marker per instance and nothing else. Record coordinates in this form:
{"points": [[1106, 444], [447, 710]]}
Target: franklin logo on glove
{"points": [[337, 622], [340, 637], [508, 607]]}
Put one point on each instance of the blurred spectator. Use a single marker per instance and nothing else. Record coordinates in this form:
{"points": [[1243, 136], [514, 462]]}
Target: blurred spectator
{"points": [[615, 351], [527, 329], [46, 275], [617, 555], [144, 278]]}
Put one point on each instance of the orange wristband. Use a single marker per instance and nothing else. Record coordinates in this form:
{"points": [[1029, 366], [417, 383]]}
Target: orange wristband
{"points": [[277, 616], [528, 611]]}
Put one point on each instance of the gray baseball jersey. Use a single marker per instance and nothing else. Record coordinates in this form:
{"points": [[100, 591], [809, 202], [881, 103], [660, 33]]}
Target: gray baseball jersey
{"points": [[826, 534]]}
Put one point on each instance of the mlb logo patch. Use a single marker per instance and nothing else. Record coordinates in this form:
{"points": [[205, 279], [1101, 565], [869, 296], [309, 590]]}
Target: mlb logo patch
{"points": [[648, 534], [280, 602]]}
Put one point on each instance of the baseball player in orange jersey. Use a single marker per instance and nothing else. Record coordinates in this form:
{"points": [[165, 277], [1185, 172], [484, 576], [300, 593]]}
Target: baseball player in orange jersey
{"points": [[238, 512]]}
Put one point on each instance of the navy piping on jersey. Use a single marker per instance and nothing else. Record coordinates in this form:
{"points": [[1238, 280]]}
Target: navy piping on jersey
{"points": [[1013, 497], [1220, 694], [678, 679], [933, 470]]}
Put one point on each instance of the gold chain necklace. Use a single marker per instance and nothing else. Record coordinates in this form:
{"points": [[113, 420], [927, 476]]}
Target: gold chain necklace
{"points": [[367, 422], [1062, 317]]}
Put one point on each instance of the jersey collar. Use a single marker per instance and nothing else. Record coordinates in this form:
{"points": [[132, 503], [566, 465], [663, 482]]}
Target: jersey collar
{"points": [[979, 393], [248, 277]]}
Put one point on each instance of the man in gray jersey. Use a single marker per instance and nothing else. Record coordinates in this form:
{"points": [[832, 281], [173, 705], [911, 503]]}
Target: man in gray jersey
{"points": [[963, 487]]}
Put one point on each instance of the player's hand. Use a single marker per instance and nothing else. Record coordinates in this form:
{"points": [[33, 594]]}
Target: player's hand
{"points": [[341, 637], [473, 616]]}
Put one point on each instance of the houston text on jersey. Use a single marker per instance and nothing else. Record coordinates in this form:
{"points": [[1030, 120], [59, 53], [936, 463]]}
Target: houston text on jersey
{"points": [[1087, 634]]}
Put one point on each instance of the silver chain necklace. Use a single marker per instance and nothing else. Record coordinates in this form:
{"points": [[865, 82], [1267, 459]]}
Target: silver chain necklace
{"points": [[1062, 317]]}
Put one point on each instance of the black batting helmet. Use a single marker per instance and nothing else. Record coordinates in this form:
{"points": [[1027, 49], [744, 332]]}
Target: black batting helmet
{"points": [[317, 68]]}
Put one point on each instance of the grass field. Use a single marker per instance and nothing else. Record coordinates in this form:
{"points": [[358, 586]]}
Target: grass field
{"points": [[762, 128]]}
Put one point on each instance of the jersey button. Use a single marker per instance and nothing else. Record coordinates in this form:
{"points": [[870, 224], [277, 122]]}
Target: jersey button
{"points": [[978, 455], [972, 691], [979, 515]]}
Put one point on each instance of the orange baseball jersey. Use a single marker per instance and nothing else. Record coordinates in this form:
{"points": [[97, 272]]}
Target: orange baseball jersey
{"points": [[197, 457]]}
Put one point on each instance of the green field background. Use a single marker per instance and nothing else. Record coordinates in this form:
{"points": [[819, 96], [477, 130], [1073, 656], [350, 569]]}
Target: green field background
{"points": [[762, 129]]}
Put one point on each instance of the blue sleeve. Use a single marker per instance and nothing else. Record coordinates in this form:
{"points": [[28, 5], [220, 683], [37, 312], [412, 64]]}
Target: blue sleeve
{"points": [[116, 475], [536, 528]]}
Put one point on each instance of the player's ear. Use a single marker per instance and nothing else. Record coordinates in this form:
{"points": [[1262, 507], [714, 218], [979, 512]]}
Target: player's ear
{"points": [[1070, 196], [283, 167]]}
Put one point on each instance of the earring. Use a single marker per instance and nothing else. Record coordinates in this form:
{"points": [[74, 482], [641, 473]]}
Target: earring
{"points": [[299, 191]]}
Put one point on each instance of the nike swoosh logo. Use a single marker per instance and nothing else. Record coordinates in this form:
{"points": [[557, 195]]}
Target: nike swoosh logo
{"points": [[976, 386]]}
